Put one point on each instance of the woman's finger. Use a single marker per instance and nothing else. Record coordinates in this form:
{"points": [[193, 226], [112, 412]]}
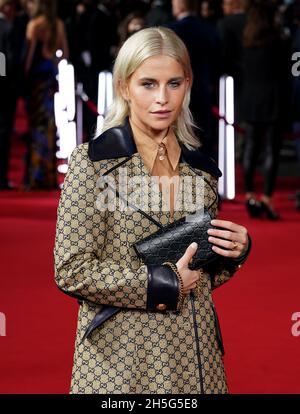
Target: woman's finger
{"points": [[241, 236], [230, 236], [225, 234], [227, 253], [229, 225], [228, 244]]}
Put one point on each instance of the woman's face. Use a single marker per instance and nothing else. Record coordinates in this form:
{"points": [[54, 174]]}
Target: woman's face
{"points": [[156, 91], [135, 25], [205, 10], [31, 7]]}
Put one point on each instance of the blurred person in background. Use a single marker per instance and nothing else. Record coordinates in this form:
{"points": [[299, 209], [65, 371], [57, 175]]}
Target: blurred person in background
{"points": [[231, 28], [125, 7], [296, 85], [159, 14], [202, 42], [11, 87], [231, 7], [78, 32], [131, 24], [29, 7], [7, 88], [210, 10], [45, 34], [77, 27], [265, 61], [102, 43], [19, 24], [102, 36]]}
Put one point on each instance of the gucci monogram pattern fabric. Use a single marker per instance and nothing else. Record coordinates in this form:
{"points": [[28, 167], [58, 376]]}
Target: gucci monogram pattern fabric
{"points": [[135, 351]]}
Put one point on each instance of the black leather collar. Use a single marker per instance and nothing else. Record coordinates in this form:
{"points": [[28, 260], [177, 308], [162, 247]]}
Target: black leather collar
{"points": [[118, 142]]}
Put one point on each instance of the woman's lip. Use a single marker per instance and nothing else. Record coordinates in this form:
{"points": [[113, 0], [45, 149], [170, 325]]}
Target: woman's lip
{"points": [[162, 115], [161, 112]]}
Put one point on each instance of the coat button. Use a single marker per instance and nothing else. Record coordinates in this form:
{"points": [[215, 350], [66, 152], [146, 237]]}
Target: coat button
{"points": [[161, 307]]}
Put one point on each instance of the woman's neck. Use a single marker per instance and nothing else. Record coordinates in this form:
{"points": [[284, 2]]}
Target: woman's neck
{"points": [[156, 135]]}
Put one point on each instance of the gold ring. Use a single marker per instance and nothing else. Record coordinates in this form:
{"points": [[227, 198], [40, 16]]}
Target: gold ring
{"points": [[235, 245]]}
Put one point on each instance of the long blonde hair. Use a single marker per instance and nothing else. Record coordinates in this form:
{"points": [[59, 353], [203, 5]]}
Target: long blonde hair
{"points": [[137, 48]]}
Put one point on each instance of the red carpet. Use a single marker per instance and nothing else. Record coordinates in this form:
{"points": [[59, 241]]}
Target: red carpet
{"points": [[255, 308]]}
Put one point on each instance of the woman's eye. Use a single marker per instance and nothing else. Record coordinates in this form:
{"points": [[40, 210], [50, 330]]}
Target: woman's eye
{"points": [[175, 84], [148, 85]]}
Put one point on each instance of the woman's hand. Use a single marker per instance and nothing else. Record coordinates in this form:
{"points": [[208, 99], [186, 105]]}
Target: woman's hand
{"points": [[230, 241], [189, 277]]}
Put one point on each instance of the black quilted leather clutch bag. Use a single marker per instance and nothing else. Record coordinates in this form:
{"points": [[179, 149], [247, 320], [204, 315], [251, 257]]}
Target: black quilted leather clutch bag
{"points": [[169, 243]]}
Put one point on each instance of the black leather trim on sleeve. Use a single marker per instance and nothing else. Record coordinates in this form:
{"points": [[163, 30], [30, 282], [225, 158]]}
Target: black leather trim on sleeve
{"points": [[79, 298], [103, 315], [230, 264], [163, 288], [247, 252]]}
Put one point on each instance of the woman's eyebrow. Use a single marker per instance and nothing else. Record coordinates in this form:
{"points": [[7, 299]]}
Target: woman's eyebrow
{"points": [[177, 78]]}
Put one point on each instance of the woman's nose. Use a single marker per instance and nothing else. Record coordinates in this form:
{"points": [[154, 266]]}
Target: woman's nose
{"points": [[162, 97]]}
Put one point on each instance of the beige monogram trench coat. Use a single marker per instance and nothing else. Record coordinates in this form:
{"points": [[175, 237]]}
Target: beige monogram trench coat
{"points": [[135, 351]]}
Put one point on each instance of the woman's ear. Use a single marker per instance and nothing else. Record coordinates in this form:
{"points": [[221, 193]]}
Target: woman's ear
{"points": [[123, 87]]}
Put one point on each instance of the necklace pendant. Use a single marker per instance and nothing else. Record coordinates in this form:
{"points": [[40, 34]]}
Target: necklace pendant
{"points": [[162, 151]]}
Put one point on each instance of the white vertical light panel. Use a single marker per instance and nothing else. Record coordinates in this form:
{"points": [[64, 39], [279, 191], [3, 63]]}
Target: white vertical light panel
{"points": [[70, 92], [230, 150], [109, 90], [105, 96], [68, 130], [226, 138], [65, 109], [2, 64], [222, 134], [101, 92]]}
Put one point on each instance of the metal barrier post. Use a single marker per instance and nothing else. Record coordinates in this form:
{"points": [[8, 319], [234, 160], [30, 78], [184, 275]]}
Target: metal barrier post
{"points": [[79, 113]]}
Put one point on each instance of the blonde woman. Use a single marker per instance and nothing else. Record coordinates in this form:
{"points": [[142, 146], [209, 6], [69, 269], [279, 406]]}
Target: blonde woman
{"points": [[137, 332]]}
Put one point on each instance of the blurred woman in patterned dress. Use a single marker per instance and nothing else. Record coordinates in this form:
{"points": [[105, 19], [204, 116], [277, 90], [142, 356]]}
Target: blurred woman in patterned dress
{"points": [[45, 35]]}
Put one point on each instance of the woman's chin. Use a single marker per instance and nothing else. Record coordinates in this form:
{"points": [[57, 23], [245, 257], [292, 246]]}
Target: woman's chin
{"points": [[160, 124]]}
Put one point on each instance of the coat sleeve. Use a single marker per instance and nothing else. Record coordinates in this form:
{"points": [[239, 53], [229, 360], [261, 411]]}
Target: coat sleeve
{"points": [[81, 269], [223, 270]]}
